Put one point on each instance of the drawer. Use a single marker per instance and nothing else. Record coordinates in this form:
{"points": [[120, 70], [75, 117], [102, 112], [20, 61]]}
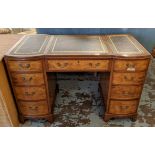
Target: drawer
{"points": [[131, 65], [125, 92], [123, 107], [78, 65], [128, 78], [30, 93], [33, 108], [25, 65], [28, 79]]}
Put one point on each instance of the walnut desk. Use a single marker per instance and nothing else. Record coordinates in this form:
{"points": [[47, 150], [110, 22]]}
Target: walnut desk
{"points": [[120, 60]]}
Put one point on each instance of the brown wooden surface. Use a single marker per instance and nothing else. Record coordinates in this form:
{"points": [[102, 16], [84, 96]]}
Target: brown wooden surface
{"points": [[8, 112], [78, 65], [131, 65], [124, 60], [25, 66], [128, 78], [153, 52], [125, 92], [33, 108], [123, 107], [34, 87], [52, 85], [30, 93], [104, 85], [28, 79]]}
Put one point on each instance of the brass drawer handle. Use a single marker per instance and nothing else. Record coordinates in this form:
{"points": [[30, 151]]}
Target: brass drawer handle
{"points": [[90, 64], [34, 108], [29, 94], [24, 79], [124, 107], [95, 65], [62, 65], [128, 79], [130, 67], [127, 93], [25, 66]]}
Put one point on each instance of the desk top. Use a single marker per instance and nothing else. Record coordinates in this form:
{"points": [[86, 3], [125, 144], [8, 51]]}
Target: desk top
{"points": [[123, 45]]}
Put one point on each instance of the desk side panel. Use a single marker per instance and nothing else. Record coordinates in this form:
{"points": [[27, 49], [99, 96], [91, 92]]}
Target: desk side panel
{"points": [[8, 112]]}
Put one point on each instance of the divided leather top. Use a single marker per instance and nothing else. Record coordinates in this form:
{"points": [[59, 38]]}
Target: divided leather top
{"points": [[123, 45]]}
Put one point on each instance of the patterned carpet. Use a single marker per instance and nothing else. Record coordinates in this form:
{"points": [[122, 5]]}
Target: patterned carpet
{"points": [[79, 103]]}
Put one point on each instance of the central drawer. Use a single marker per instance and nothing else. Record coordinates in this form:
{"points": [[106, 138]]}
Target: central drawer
{"points": [[30, 93], [78, 65], [28, 79], [33, 108]]}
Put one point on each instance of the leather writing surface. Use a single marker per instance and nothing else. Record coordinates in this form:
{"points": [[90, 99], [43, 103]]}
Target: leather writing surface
{"points": [[89, 45], [123, 44], [77, 45], [33, 44]]}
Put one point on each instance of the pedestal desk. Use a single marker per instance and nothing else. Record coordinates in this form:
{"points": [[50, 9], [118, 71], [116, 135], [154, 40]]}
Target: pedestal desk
{"points": [[120, 60]]}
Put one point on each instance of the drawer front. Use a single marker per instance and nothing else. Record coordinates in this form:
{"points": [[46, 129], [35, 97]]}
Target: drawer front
{"points": [[128, 78], [94, 64], [123, 107], [34, 108], [30, 93], [78, 65], [125, 92], [28, 79], [131, 65], [25, 65]]}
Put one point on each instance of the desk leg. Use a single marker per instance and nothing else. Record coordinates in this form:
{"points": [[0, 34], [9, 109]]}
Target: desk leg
{"points": [[134, 118], [50, 118], [106, 117], [21, 119]]}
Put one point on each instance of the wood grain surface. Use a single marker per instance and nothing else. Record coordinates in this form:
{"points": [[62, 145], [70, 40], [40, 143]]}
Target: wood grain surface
{"points": [[120, 59]]}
